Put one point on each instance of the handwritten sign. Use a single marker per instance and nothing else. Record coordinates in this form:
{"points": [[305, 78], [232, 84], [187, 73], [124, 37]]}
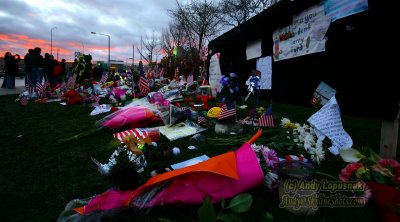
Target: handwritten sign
{"points": [[327, 122], [304, 36], [264, 65], [215, 74]]}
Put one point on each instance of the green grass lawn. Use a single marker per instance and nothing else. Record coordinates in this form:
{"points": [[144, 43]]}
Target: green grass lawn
{"points": [[39, 176]]}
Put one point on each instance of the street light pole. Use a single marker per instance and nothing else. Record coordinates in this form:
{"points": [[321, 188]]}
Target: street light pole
{"points": [[51, 40], [108, 46], [83, 47]]}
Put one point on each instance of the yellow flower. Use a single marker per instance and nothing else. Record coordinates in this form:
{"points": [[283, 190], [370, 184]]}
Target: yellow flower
{"points": [[290, 125]]}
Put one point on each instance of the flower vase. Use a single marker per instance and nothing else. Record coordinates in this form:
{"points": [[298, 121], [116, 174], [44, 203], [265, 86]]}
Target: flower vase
{"points": [[297, 192], [387, 199]]}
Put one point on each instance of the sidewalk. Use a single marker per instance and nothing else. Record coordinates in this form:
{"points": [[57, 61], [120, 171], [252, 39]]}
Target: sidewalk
{"points": [[19, 85]]}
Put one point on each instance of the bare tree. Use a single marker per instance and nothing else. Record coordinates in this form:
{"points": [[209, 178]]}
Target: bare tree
{"points": [[235, 12], [199, 19], [151, 48], [172, 37]]}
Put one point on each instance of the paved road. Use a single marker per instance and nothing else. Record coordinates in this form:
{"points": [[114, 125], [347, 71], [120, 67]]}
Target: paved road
{"points": [[19, 85]]}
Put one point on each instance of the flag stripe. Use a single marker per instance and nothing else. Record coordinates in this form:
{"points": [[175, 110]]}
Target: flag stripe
{"points": [[266, 119], [227, 110], [144, 85], [139, 134], [104, 78]]}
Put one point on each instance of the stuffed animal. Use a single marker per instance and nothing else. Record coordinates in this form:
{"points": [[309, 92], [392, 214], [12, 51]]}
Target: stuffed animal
{"points": [[82, 69]]}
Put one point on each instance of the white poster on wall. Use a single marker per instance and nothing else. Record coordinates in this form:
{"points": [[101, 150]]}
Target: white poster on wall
{"points": [[264, 65], [253, 49], [215, 74], [306, 34]]}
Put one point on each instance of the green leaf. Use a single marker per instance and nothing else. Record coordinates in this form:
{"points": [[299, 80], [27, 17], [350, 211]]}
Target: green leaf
{"points": [[223, 202], [241, 203], [206, 212], [268, 217], [377, 177], [374, 156], [114, 144], [229, 218]]}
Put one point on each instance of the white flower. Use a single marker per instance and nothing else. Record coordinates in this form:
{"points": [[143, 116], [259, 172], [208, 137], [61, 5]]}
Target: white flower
{"points": [[269, 179], [284, 121], [319, 155], [350, 155]]}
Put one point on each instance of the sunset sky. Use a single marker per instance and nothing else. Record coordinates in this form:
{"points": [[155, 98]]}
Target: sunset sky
{"points": [[27, 24]]}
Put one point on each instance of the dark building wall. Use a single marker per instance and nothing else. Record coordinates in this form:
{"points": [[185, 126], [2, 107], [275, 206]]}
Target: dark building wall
{"points": [[358, 61]]}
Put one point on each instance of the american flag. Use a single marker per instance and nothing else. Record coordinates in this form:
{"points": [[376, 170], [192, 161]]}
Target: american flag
{"points": [[149, 74], [189, 79], [201, 119], [40, 87], [266, 119], [23, 100], [95, 100], [144, 85], [70, 82], [31, 86], [138, 133], [227, 110], [104, 78], [63, 87]]}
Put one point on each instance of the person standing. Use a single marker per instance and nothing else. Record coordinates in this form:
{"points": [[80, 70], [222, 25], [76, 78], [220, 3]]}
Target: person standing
{"points": [[12, 69], [4, 85], [28, 66], [63, 73], [37, 67]]}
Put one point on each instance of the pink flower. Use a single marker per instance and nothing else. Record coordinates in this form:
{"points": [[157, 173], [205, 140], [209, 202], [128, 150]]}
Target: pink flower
{"points": [[270, 157], [388, 163], [347, 172], [367, 194]]}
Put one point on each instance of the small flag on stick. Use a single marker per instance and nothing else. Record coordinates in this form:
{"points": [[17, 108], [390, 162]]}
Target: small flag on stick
{"points": [[266, 119], [227, 110], [23, 100], [144, 85], [104, 78], [201, 120]]}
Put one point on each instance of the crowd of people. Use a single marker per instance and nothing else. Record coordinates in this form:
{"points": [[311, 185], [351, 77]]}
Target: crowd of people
{"points": [[11, 70], [37, 68]]}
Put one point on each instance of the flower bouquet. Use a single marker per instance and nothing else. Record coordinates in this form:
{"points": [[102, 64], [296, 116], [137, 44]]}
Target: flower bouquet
{"points": [[382, 176]]}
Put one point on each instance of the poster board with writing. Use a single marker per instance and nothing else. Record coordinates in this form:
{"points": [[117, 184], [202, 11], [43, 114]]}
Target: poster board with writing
{"points": [[215, 74], [264, 65], [306, 34]]}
